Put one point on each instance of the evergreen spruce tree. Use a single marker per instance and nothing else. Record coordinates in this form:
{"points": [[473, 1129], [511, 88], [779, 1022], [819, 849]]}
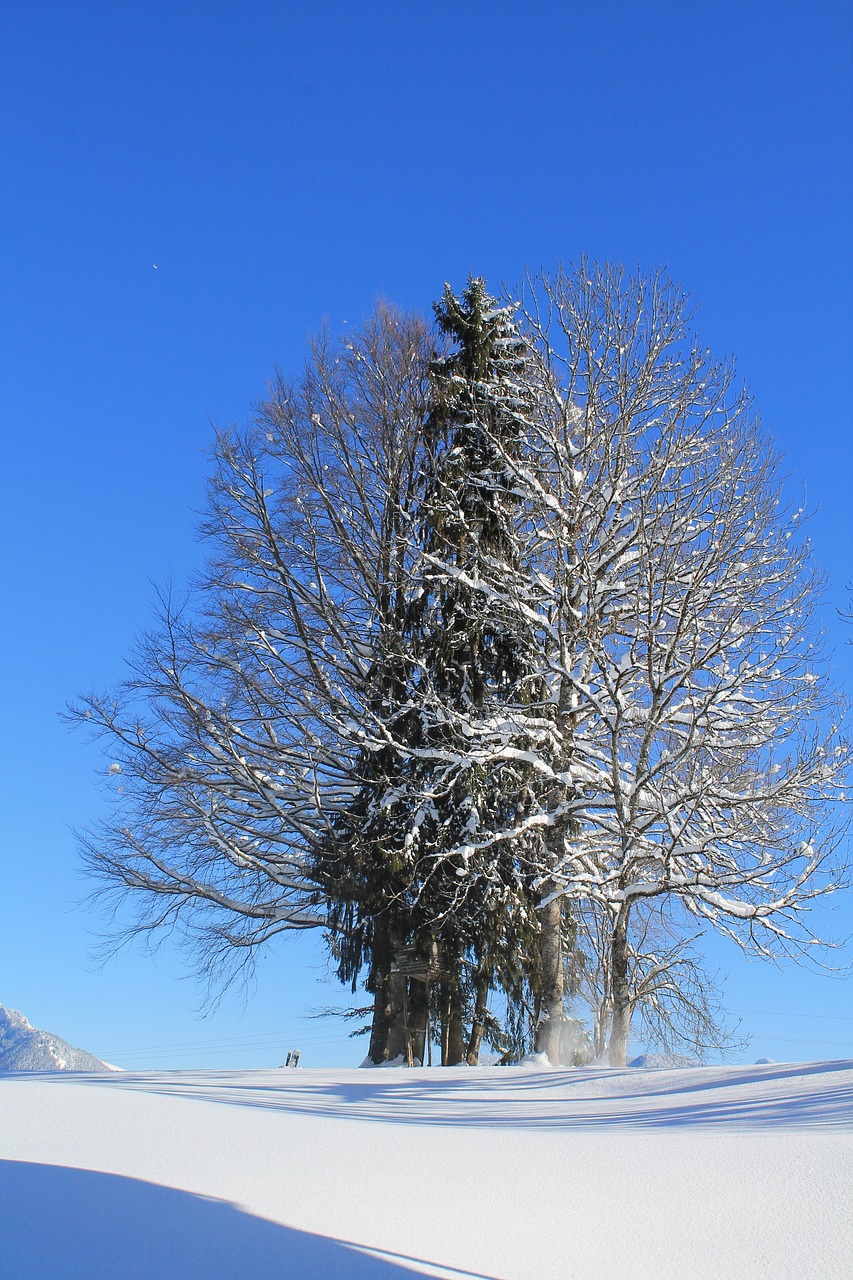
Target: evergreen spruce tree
{"points": [[484, 734], [436, 866]]}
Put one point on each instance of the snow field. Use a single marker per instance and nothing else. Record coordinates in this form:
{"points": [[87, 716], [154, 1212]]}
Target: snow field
{"points": [[493, 1172]]}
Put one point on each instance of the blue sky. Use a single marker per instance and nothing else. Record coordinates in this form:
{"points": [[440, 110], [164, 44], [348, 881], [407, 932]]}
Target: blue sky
{"points": [[285, 163]]}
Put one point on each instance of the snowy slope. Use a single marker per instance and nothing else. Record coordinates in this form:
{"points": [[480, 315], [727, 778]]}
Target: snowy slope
{"points": [[24, 1047], [495, 1172]]}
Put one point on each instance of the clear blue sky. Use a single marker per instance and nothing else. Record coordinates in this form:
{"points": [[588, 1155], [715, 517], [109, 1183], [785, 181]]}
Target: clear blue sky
{"points": [[281, 163]]}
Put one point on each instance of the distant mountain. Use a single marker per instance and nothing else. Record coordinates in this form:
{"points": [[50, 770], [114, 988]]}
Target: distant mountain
{"points": [[25, 1048]]}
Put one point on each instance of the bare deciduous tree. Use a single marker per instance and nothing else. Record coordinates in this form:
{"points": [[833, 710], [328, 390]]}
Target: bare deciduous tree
{"points": [[241, 731], [707, 765], [675, 1003], [443, 696]]}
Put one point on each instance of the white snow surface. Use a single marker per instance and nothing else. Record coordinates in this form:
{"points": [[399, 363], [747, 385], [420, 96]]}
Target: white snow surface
{"points": [[487, 1172]]}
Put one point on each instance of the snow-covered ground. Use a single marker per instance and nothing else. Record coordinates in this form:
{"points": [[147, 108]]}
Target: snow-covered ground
{"points": [[497, 1172]]}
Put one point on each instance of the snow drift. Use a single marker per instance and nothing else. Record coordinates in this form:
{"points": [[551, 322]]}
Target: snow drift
{"points": [[490, 1172]]}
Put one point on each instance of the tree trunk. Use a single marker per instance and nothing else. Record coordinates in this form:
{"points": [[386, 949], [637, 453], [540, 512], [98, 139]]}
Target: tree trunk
{"points": [[478, 1026], [397, 1029], [387, 1033], [620, 1019], [549, 1019], [452, 1043], [601, 1028], [381, 983], [418, 1015]]}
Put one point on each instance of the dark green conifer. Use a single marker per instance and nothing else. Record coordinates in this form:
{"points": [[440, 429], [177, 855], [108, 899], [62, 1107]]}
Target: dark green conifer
{"points": [[484, 719]]}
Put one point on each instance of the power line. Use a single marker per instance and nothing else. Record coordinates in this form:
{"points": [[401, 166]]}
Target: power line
{"points": [[834, 1044], [271, 1039], [786, 1013], [268, 1040]]}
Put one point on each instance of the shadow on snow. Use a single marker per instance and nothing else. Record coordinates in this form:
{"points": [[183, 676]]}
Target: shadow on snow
{"points": [[98, 1226], [732, 1098]]}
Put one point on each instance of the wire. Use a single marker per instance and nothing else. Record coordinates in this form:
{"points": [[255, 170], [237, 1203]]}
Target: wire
{"points": [[273, 1039], [835, 1044], [226, 1041], [784, 1013]]}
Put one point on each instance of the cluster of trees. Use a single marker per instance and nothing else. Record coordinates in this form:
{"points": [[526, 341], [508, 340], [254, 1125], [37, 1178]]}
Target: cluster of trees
{"points": [[503, 672]]}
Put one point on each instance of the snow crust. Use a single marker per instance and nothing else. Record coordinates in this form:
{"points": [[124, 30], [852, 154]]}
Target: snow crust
{"points": [[488, 1172]]}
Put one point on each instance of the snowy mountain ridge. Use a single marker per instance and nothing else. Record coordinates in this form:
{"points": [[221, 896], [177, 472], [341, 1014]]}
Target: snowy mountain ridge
{"points": [[24, 1047]]}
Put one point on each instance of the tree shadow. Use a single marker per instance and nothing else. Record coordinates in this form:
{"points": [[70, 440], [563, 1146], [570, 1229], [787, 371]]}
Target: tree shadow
{"points": [[777, 1097], [98, 1226]]}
